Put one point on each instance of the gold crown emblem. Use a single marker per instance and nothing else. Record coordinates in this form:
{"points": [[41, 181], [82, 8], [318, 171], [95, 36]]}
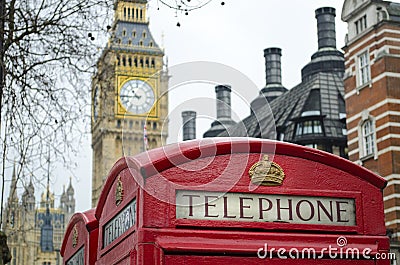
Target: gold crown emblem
{"points": [[119, 192], [266, 173], [75, 237]]}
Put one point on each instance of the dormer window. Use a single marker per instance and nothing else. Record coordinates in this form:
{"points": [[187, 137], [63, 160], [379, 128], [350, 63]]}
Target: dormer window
{"points": [[309, 127], [144, 34], [310, 113], [134, 34], [361, 24]]}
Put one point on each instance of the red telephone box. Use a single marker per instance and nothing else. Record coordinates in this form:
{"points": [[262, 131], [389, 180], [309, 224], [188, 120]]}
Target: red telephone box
{"points": [[240, 201], [80, 240]]}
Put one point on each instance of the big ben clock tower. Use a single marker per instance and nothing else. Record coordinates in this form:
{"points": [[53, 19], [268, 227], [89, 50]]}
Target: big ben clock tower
{"points": [[129, 93]]}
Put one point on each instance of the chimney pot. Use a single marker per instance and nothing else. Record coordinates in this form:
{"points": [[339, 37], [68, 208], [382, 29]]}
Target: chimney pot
{"points": [[223, 101], [273, 65], [189, 125], [326, 27]]}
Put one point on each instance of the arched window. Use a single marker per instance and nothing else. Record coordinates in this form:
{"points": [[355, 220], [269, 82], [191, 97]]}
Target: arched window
{"points": [[368, 137]]}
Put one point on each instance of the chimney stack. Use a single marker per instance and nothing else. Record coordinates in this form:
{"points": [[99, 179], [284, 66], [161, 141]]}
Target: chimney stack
{"points": [[224, 119], [223, 102], [273, 66], [326, 27], [273, 73], [327, 59], [189, 125]]}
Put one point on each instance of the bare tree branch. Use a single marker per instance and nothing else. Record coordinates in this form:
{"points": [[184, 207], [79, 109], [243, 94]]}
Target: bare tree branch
{"points": [[48, 59]]}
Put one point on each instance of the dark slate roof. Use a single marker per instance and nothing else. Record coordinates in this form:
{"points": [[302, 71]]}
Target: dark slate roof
{"points": [[325, 60], [394, 11], [218, 127], [120, 41], [287, 108]]}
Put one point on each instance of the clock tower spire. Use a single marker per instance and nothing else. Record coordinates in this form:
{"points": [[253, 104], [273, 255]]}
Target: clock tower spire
{"points": [[131, 10], [129, 92]]}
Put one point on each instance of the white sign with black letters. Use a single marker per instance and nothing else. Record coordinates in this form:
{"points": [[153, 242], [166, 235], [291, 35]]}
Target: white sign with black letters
{"points": [[248, 207], [118, 225]]}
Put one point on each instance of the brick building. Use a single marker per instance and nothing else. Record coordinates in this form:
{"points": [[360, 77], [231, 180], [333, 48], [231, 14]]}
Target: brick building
{"points": [[372, 94]]}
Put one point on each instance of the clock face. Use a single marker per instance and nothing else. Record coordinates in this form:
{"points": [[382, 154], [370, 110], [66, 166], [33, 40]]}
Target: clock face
{"points": [[137, 96]]}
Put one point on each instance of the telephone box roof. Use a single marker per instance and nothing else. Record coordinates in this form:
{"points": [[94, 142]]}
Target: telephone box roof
{"points": [[157, 160]]}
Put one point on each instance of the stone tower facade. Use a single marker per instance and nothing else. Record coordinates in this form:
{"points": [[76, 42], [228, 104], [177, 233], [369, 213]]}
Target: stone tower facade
{"points": [[129, 93], [35, 231]]}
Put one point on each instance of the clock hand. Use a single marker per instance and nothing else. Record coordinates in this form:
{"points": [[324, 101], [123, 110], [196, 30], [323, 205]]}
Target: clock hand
{"points": [[137, 96]]}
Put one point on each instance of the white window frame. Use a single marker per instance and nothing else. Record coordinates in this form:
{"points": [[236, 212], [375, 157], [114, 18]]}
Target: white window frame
{"points": [[361, 24], [363, 68], [367, 139], [368, 132]]}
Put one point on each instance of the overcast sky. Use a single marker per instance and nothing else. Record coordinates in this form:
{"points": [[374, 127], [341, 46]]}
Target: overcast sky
{"points": [[233, 35]]}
